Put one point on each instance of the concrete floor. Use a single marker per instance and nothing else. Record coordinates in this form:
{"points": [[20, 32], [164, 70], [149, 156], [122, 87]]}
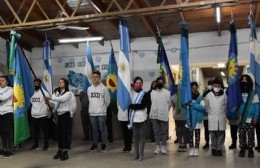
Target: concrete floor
{"points": [[80, 157]]}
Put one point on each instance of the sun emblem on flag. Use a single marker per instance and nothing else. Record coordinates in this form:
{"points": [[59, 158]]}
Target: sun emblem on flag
{"points": [[122, 67], [232, 68], [111, 82], [46, 78], [19, 99]]}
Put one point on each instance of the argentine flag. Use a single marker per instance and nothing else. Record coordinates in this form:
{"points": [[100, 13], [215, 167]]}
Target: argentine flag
{"points": [[124, 77], [89, 68], [47, 70], [254, 55]]}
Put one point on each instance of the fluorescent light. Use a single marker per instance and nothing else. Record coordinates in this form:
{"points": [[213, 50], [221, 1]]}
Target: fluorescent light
{"points": [[221, 65], [81, 39], [222, 73], [218, 14]]}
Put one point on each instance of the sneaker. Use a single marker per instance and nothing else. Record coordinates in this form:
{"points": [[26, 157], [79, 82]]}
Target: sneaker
{"points": [[93, 147], [206, 146], [242, 153], [214, 152], [233, 146], [157, 149], [163, 150], [64, 156], [58, 154], [191, 152], [1, 152], [35, 147], [136, 157], [103, 147], [7, 154], [219, 153], [250, 153], [196, 152], [184, 149], [45, 147], [126, 150]]}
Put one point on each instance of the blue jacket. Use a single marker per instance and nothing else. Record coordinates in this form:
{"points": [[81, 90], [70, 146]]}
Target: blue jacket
{"points": [[253, 112], [194, 113]]}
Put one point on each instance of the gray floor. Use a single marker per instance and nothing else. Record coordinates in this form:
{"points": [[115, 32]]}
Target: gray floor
{"points": [[113, 158]]}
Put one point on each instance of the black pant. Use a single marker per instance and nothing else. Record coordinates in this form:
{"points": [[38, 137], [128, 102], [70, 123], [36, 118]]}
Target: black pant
{"points": [[85, 122], [6, 130], [247, 136], [233, 132], [109, 125], [38, 125], [64, 131], [206, 130], [258, 132], [127, 134]]}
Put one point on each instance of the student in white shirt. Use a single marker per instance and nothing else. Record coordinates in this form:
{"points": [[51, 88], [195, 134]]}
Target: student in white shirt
{"points": [[63, 100], [6, 116], [99, 100], [40, 112]]}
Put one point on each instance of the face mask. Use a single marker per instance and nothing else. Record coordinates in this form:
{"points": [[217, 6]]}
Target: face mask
{"points": [[209, 87], [159, 85], [216, 90], [36, 87], [138, 87]]}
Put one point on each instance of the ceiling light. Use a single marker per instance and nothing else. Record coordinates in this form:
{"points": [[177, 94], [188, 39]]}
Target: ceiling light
{"points": [[218, 14], [81, 39], [222, 73]]}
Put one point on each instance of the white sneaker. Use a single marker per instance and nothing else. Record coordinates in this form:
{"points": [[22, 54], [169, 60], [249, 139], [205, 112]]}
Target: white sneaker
{"points": [[163, 150], [191, 152], [157, 149], [196, 152]]}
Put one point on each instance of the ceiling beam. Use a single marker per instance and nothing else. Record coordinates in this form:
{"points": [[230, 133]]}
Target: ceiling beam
{"points": [[102, 7], [146, 19], [124, 13]]}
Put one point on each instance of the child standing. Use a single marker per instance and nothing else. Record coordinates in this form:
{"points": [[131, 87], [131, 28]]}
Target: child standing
{"points": [[215, 106], [194, 116]]}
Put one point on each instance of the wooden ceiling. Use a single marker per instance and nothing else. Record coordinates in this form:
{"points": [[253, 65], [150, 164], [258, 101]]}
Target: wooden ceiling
{"points": [[29, 17]]}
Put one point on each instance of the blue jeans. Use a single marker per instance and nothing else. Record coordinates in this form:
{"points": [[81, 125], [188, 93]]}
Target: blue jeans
{"points": [[98, 123]]}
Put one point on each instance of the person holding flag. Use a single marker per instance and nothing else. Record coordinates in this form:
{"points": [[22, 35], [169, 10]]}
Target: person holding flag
{"points": [[40, 112], [6, 116], [124, 84], [194, 116], [248, 115], [138, 115]]}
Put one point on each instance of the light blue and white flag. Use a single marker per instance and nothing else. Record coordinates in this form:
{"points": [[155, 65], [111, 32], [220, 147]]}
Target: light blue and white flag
{"points": [[124, 75], [47, 70], [89, 68], [254, 55]]}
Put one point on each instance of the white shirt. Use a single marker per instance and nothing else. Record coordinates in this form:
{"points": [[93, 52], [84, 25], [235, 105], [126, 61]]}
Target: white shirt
{"points": [[161, 104], [39, 107], [99, 100], [64, 100], [6, 100]]}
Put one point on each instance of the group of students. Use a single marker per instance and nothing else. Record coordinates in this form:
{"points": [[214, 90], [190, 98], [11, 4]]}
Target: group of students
{"points": [[154, 104]]}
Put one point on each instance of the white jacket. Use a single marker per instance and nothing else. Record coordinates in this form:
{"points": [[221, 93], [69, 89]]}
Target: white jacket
{"points": [[39, 107], [99, 100], [64, 100], [6, 100], [161, 104], [216, 107]]}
